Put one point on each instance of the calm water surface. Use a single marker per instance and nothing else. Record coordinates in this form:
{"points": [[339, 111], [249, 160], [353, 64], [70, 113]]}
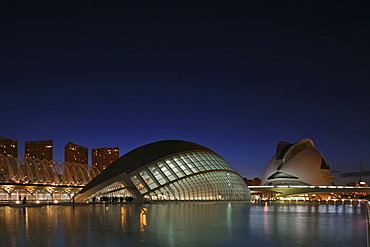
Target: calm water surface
{"points": [[187, 224]]}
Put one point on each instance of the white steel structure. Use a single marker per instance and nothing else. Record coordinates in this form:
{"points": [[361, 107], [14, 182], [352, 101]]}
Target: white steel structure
{"points": [[37, 179]]}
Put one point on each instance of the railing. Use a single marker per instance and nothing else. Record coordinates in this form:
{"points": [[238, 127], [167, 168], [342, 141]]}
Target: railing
{"points": [[368, 224], [307, 186]]}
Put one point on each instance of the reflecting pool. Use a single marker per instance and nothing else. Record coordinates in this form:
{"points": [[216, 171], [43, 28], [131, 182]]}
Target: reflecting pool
{"points": [[186, 224]]}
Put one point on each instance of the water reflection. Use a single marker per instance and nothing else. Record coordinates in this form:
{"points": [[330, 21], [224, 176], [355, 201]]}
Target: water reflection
{"points": [[210, 224], [312, 224], [142, 224]]}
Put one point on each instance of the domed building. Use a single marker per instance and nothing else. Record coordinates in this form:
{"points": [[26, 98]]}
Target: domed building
{"points": [[297, 164], [169, 170]]}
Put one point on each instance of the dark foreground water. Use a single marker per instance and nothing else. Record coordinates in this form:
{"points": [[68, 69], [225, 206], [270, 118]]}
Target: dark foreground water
{"points": [[187, 224]]}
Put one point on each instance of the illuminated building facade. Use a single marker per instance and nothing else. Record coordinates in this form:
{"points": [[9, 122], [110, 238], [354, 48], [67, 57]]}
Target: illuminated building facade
{"points": [[297, 164], [39, 149], [8, 147], [103, 157], [168, 171], [74, 153], [160, 171]]}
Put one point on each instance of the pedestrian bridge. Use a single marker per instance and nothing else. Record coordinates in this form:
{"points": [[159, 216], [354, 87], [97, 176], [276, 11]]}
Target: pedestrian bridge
{"points": [[290, 190]]}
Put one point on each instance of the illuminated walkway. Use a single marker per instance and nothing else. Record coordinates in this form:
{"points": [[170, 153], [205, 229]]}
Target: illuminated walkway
{"points": [[45, 180], [291, 190]]}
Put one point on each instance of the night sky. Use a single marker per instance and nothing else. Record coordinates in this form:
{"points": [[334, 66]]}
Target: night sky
{"points": [[234, 76]]}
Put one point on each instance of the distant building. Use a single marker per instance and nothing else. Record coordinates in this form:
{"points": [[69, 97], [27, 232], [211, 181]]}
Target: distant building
{"points": [[297, 164], [252, 182], [74, 153], [103, 157], [8, 147], [39, 149]]}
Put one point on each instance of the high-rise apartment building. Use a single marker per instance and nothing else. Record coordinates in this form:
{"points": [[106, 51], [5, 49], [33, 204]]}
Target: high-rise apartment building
{"points": [[103, 157], [39, 149], [74, 153], [8, 147]]}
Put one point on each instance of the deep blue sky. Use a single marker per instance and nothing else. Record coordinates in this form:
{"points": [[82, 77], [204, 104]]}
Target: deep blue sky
{"points": [[235, 76]]}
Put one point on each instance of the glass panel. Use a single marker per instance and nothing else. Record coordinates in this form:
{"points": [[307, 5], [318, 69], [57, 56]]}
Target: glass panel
{"points": [[179, 173], [201, 162], [183, 166], [166, 171], [138, 184], [155, 172], [212, 163], [192, 166], [148, 179]]}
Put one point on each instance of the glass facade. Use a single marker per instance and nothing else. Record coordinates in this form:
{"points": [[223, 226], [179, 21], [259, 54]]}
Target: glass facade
{"points": [[190, 176]]}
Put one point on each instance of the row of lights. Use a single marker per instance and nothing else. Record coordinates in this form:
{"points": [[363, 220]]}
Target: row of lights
{"points": [[37, 202]]}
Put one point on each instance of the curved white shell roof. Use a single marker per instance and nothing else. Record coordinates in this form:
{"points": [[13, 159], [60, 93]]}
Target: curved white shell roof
{"points": [[295, 164]]}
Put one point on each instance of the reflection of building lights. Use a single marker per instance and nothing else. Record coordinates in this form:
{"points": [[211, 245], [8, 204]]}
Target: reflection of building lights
{"points": [[142, 220], [143, 216], [123, 216]]}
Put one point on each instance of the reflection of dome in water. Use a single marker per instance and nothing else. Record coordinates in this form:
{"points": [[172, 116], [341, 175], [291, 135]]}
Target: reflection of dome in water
{"points": [[168, 170], [297, 164]]}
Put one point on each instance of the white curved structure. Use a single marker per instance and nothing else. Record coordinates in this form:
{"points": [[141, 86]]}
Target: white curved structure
{"points": [[42, 180], [297, 164], [35, 171]]}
